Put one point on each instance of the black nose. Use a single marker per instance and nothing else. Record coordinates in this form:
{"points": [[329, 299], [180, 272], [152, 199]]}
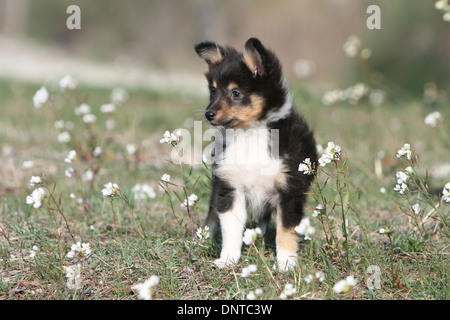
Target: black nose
{"points": [[209, 115]]}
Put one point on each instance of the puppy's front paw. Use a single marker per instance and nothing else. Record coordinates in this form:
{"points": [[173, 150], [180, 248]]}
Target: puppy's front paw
{"points": [[286, 262], [219, 263], [226, 260]]}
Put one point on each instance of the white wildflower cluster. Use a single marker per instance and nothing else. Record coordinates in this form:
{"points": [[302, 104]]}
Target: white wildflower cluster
{"points": [[288, 291], [38, 194], [80, 252], [318, 211], [305, 229], [319, 275], [110, 190], [165, 177], [405, 152], [84, 112], [203, 233], [252, 295], [353, 94], [331, 153], [345, 285], [446, 193], [402, 179], [171, 138], [33, 252], [248, 270], [416, 208], [432, 118], [306, 167], [443, 6], [189, 201], [143, 191], [72, 156], [41, 97], [68, 83], [145, 290], [250, 235]]}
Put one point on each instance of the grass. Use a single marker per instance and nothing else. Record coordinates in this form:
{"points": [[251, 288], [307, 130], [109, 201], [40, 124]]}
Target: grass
{"points": [[132, 240]]}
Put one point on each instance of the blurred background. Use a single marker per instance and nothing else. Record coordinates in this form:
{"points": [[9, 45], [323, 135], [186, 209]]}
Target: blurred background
{"points": [[149, 43]]}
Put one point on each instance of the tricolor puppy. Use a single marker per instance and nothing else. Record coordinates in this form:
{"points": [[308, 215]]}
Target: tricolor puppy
{"points": [[255, 169]]}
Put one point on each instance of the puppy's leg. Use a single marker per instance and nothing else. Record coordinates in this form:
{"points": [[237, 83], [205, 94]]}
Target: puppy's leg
{"points": [[289, 214], [232, 223]]}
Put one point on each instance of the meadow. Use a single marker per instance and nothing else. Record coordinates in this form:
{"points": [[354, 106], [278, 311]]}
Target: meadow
{"points": [[365, 239]]}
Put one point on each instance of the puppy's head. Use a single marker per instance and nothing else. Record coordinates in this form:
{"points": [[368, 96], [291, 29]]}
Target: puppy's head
{"points": [[244, 87]]}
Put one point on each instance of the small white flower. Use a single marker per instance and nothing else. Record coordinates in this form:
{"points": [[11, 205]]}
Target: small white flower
{"points": [[69, 172], [87, 176], [145, 289], [405, 151], [165, 177], [331, 153], [446, 193], [82, 109], [352, 46], [306, 167], [36, 197], [432, 119], [318, 211], [345, 285], [27, 164], [89, 118], [110, 189], [170, 138], [248, 270], [250, 235], [402, 177], [64, 137], [40, 97], [203, 233], [131, 149], [309, 278], [71, 156], [320, 275], [305, 229], [97, 151], [416, 208], [190, 201], [288, 291], [108, 108], [251, 295], [67, 83], [80, 252], [382, 231], [59, 124], [35, 180], [401, 188]]}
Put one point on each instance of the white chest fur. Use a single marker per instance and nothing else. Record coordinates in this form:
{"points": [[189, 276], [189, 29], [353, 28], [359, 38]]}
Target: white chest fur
{"points": [[251, 167]]}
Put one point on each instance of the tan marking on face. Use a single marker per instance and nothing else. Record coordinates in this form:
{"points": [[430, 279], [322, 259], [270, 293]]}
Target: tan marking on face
{"points": [[244, 117], [232, 86], [214, 84]]}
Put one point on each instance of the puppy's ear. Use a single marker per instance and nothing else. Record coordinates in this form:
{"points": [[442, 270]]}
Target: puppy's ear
{"points": [[212, 53], [255, 57]]}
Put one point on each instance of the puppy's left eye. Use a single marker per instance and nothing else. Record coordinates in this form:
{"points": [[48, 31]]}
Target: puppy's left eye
{"points": [[235, 93]]}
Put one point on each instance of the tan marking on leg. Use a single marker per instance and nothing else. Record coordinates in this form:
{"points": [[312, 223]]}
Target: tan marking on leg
{"points": [[287, 244]]}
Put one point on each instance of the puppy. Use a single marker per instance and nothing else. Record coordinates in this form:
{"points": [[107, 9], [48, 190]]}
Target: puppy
{"points": [[261, 142]]}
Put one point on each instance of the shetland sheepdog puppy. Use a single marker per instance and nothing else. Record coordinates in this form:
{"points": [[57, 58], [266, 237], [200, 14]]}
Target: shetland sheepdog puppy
{"points": [[263, 141]]}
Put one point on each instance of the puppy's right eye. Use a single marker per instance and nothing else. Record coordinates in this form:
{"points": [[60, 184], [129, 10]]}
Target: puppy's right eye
{"points": [[212, 90]]}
